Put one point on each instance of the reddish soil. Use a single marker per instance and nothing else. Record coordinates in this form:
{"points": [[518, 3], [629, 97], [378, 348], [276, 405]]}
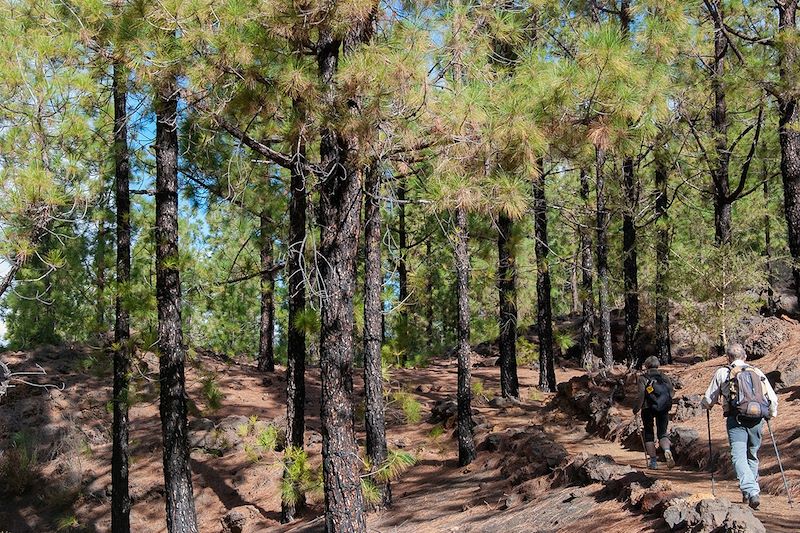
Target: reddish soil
{"points": [[434, 495]]}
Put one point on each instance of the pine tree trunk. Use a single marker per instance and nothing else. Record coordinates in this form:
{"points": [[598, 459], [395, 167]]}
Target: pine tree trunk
{"points": [[544, 313], [374, 413], [574, 285], [181, 516], [100, 272], [266, 350], [507, 289], [339, 221], [663, 343], [587, 289], [120, 497], [630, 267], [789, 133], [296, 288], [402, 273], [719, 120], [772, 305], [602, 262], [429, 294], [466, 441]]}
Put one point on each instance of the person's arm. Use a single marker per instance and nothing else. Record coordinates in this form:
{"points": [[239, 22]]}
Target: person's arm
{"points": [[713, 392], [669, 384], [771, 396], [640, 383]]}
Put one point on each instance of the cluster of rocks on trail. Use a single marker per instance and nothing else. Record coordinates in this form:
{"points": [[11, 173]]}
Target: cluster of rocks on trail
{"points": [[563, 489]]}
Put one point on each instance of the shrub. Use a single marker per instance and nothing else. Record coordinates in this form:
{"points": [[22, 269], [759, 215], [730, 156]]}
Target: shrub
{"points": [[395, 464], [211, 392], [20, 465], [267, 439], [299, 479], [412, 409]]}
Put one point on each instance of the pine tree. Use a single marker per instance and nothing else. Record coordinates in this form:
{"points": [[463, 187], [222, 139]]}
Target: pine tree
{"points": [[121, 503], [374, 415], [266, 342], [181, 514]]}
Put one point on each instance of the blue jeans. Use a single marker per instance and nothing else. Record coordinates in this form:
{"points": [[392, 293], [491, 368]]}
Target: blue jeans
{"points": [[745, 439]]}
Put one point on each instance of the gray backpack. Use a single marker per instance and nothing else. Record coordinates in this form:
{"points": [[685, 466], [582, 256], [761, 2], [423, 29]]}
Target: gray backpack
{"points": [[746, 393]]}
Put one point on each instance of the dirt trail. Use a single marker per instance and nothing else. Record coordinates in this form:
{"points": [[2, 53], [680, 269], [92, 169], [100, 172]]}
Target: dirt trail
{"points": [[434, 496]]}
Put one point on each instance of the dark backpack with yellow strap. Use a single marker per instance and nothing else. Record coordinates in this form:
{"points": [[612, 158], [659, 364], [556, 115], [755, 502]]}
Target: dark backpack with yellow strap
{"points": [[657, 397], [746, 393]]}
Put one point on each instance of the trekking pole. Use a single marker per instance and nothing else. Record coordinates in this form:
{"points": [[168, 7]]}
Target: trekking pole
{"points": [[640, 426], [711, 455], [780, 464]]}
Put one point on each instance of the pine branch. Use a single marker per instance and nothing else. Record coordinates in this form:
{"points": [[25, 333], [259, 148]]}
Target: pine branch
{"points": [[746, 165]]}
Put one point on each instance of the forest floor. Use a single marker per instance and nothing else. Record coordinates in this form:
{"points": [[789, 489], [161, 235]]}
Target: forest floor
{"points": [[70, 430]]}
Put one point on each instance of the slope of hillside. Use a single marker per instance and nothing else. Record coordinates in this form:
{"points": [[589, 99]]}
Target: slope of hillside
{"points": [[518, 482]]}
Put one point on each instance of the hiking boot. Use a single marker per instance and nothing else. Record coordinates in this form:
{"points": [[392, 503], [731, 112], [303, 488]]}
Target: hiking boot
{"points": [[754, 501], [653, 464], [745, 499], [669, 458]]}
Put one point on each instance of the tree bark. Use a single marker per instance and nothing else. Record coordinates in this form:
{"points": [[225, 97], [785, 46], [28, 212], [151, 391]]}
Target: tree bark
{"points": [[100, 270], [789, 132], [630, 267], [663, 343], [402, 273], [602, 261], [772, 306], [719, 120], [429, 294], [374, 416], [587, 289], [466, 441], [266, 348], [507, 289], [181, 516], [339, 220], [296, 287], [120, 497], [544, 313]]}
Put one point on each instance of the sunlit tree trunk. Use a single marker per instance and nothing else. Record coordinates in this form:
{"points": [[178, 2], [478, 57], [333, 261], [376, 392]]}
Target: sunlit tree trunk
{"points": [[587, 289], [181, 516], [120, 498], [507, 289], [663, 343], [266, 348], [602, 261], [466, 441], [544, 313], [374, 412]]}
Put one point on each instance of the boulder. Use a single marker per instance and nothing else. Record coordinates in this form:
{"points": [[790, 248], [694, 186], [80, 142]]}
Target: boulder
{"points": [[443, 411], [682, 438], [491, 443], [527, 453], [740, 519], [787, 374], [765, 336], [240, 519], [711, 515], [424, 388], [487, 362], [202, 433], [687, 407], [498, 402], [597, 468]]}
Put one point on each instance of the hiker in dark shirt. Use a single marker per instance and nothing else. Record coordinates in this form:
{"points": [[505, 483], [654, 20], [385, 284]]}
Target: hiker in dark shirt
{"points": [[654, 401]]}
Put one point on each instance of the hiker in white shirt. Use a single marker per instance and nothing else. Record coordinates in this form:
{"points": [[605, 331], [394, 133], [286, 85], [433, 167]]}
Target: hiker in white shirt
{"points": [[744, 433]]}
